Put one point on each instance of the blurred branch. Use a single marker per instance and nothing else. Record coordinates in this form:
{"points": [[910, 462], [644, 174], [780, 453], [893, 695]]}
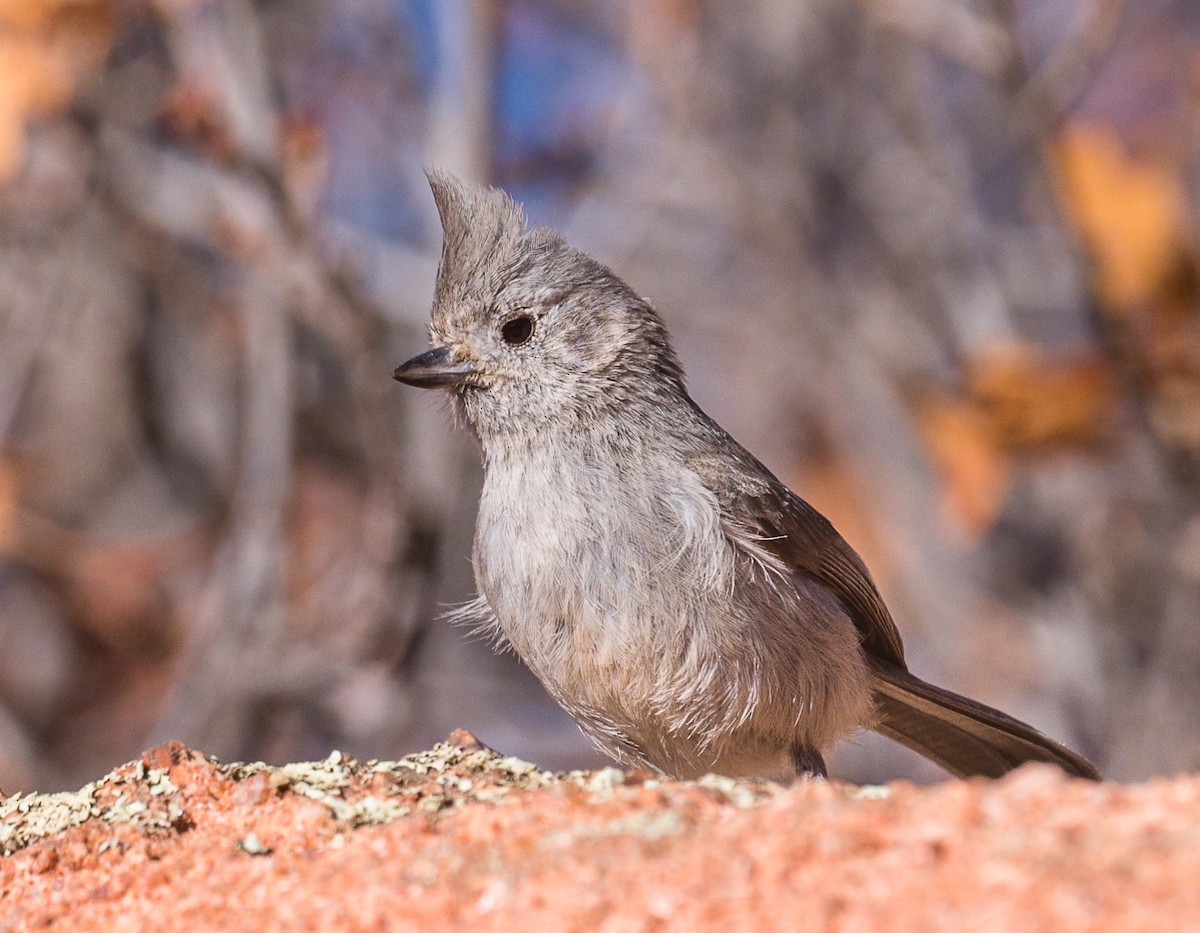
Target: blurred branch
{"points": [[219, 46], [949, 28], [1047, 94], [464, 99]]}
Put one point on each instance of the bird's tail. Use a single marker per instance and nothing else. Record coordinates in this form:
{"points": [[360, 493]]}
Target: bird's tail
{"points": [[964, 737]]}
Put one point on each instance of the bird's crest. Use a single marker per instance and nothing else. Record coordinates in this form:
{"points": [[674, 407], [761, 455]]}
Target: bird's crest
{"points": [[480, 229]]}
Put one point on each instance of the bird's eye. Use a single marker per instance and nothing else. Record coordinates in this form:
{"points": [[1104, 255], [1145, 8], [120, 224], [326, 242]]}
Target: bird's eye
{"points": [[517, 331]]}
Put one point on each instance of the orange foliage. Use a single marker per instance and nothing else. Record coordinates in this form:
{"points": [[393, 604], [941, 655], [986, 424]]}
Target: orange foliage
{"points": [[974, 470], [8, 507], [1017, 400], [46, 47], [1031, 400], [1130, 212]]}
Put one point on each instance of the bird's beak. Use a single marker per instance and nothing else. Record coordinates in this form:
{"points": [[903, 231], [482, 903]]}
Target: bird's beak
{"points": [[435, 369]]}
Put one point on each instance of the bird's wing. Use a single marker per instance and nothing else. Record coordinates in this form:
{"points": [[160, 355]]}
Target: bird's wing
{"points": [[756, 504], [962, 735]]}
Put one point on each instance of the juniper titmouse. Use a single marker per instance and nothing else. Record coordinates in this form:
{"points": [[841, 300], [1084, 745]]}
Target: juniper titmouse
{"points": [[687, 609]]}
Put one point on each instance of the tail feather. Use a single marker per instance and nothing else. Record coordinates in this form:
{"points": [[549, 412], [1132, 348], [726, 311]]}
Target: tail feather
{"points": [[963, 736]]}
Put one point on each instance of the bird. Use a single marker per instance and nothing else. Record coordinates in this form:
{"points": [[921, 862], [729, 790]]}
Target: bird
{"points": [[692, 613]]}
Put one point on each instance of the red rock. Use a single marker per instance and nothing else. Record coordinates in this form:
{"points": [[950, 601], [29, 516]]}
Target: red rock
{"points": [[460, 837]]}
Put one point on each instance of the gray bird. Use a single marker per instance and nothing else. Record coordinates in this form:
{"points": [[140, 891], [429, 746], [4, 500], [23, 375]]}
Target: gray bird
{"points": [[686, 608]]}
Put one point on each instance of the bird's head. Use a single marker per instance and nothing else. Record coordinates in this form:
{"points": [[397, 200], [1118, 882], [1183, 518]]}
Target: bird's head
{"points": [[528, 333]]}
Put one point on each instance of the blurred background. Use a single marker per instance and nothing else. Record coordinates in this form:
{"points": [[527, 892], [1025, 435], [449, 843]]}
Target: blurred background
{"points": [[935, 261]]}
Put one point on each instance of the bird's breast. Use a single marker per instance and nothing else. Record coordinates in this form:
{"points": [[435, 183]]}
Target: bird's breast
{"points": [[592, 572]]}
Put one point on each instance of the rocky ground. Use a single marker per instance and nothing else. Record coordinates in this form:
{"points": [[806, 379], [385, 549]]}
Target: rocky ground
{"points": [[462, 837]]}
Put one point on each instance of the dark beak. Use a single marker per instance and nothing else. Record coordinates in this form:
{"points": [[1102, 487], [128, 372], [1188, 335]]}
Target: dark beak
{"points": [[435, 369]]}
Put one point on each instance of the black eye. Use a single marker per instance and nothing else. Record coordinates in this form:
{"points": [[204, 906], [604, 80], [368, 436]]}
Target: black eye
{"points": [[517, 331]]}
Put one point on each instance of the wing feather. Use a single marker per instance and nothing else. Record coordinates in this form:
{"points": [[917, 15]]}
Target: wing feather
{"points": [[791, 530]]}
